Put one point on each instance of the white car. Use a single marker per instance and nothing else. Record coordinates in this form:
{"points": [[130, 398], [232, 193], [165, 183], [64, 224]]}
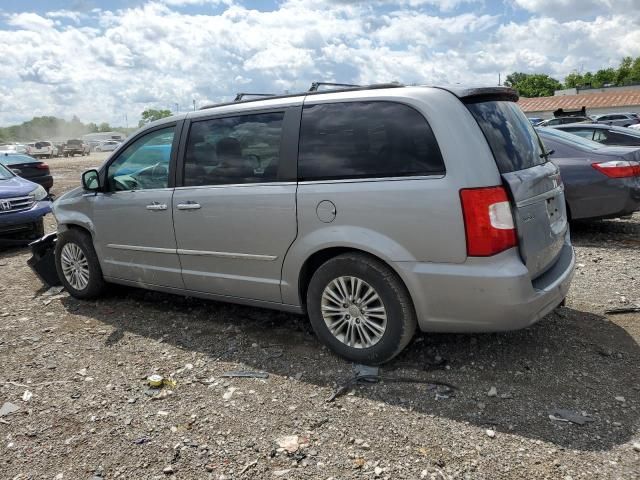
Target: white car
{"points": [[635, 127], [13, 148], [40, 149], [107, 146]]}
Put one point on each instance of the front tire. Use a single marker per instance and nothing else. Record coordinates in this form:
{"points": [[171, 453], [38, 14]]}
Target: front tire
{"points": [[360, 308], [77, 265]]}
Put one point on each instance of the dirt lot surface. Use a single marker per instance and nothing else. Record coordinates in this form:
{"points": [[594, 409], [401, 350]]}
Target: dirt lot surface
{"points": [[76, 371]]}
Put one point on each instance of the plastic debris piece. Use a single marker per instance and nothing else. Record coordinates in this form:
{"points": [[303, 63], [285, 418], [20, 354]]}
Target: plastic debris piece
{"points": [[155, 380], [8, 408], [563, 415]]}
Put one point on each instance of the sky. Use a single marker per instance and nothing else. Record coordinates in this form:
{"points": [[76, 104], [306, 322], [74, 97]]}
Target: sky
{"points": [[107, 61]]}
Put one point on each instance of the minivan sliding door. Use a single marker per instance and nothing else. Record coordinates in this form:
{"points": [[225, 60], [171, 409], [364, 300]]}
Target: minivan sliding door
{"points": [[235, 209]]}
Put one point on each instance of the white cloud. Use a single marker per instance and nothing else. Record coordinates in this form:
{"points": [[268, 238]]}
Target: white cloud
{"points": [[101, 65]]}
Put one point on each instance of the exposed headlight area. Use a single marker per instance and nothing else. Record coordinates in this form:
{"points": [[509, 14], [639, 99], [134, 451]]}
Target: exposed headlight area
{"points": [[38, 194]]}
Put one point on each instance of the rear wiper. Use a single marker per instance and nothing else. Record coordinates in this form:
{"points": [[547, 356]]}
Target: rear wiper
{"points": [[547, 154]]}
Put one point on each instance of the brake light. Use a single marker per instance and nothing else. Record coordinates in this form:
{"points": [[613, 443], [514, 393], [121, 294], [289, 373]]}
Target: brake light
{"points": [[42, 166], [488, 221], [618, 168]]}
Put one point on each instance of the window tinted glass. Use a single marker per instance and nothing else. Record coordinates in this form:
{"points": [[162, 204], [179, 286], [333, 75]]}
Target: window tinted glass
{"points": [[144, 164], [4, 173], [366, 139], [14, 159], [243, 149], [582, 132], [513, 141], [571, 141], [616, 138]]}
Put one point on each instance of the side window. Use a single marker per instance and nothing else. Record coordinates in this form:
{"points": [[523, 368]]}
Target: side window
{"points": [[583, 132], [553, 121], [144, 164], [242, 149], [366, 139], [616, 138], [600, 136]]}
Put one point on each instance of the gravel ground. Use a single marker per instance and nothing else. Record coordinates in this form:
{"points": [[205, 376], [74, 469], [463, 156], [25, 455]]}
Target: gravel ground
{"points": [[91, 415]]}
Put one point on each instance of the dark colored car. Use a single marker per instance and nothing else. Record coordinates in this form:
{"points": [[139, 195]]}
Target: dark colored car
{"points": [[604, 134], [600, 181], [75, 147], [30, 168], [563, 120], [22, 206]]}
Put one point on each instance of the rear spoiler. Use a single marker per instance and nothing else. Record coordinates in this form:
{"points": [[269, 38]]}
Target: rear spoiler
{"points": [[483, 94]]}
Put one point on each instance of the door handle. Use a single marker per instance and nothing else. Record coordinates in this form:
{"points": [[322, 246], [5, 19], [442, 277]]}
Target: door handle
{"points": [[188, 206], [157, 206]]}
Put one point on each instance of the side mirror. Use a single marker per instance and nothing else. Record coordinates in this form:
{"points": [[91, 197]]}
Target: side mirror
{"points": [[91, 180]]}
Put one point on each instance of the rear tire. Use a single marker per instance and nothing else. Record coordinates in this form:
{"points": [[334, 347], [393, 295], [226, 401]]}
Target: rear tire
{"points": [[77, 265], [360, 308]]}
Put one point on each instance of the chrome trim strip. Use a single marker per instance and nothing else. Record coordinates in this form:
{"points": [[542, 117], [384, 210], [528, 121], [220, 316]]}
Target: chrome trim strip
{"points": [[226, 185], [372, 179], [543, 196], [136, 248], [236, 256], [182, 251]]}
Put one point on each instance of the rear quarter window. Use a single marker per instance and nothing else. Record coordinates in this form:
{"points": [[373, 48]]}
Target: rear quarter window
{"points": [[512, 139], [366, 140]]}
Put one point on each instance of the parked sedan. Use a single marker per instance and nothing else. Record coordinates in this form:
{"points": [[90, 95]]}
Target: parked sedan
{"points": [[30, 168], [604, 134], [600, 181], [22, 206]]}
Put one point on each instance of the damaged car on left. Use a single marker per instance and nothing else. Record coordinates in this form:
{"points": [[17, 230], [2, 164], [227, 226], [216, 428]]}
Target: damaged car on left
{"points": [[23, 204]]}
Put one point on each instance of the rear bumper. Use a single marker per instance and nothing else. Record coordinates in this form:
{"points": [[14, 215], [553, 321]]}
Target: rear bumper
{"points": [[620, 197], [25, 217], [486, 294]]}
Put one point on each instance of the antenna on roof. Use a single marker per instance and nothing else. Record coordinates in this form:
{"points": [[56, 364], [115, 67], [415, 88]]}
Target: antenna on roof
{"points": [[316, 85], [240, 96]]}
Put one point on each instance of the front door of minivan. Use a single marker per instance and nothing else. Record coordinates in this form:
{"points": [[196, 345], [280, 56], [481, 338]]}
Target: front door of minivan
{"points": [[132, 218], [235, 211]]}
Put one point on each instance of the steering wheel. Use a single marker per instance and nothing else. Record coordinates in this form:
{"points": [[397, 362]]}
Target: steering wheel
{"points": [[159, 172], [130, 183]]}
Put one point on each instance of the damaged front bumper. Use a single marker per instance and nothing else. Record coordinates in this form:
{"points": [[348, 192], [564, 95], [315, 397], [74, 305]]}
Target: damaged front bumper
{"points": [[43, 260]]}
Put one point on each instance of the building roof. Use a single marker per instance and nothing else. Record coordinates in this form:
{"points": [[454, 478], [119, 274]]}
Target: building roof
{"points": [[574, 102]]}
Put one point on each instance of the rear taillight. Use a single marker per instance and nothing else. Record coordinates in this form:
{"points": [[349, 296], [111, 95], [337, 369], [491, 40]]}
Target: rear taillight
{"points": [[618, 168], [488, 221], [42, 166]]}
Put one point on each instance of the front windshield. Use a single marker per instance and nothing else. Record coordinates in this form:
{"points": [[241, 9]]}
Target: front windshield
{"points": [[571, 138], [5, 173]]}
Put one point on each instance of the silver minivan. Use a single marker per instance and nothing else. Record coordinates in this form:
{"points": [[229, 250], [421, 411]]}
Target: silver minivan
{"points": [[374, 210]]}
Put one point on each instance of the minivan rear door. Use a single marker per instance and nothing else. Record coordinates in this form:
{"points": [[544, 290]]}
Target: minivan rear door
{"points": [[534, 183]]}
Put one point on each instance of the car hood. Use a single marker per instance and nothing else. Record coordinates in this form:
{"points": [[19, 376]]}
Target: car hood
{"points": [[16, 187]]}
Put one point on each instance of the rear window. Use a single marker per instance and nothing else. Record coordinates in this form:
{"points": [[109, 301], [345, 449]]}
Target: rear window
{"points": [[366, 140], [513, 141]]}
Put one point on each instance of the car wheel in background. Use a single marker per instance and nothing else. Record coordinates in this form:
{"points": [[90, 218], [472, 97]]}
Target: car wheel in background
{"points": [[77, 264], [360, 308]]}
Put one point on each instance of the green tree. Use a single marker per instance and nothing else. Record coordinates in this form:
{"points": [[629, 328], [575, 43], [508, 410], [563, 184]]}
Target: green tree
{"points": [[104, 127], [604, 76], [624, 71], [533, 85], [573, 80], [151, 115]]}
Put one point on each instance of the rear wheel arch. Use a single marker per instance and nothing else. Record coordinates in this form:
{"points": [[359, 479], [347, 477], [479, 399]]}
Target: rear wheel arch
{"points": [[320, 257]]}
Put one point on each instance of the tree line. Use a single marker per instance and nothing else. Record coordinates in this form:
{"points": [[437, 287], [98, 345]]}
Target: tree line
{"points": [[542, 85], [49, 127]]}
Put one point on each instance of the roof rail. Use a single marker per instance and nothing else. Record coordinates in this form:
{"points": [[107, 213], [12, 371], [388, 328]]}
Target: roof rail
{"points": [[240, 96], [343, 87], [315, 86]]}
